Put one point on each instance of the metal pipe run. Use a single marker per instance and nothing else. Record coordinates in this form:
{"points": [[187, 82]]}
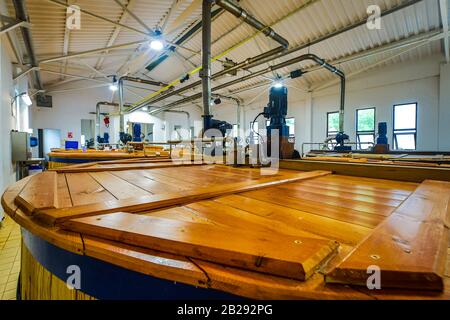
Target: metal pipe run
{"points": [[271, 55], [21, 14], [238, 107], [97, 117], [121, 103], [188, 115], [205, 73], [252, 21], [281, 65], [248, 63]]}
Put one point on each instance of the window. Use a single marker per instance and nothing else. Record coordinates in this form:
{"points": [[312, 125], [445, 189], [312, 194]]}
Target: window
{"points": [[235, 132], [332, 123], [177, 131], [332, 127], [405, 126], [254, 131], [290, 122], [365, 127]]}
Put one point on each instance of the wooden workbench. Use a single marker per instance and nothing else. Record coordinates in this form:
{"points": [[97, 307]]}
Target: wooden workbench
{"points": [[210, 231]]}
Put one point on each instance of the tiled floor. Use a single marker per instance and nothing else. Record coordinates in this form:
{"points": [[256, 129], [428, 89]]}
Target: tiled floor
{"points": [[9, 258]]}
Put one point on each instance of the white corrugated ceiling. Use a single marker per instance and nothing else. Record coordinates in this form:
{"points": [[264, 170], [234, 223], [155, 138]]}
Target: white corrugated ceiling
{"points": [[299, 21]]}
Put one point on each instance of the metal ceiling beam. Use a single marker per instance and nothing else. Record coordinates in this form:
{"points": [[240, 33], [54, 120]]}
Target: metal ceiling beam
{"points": [[413, 46], [443, 5], [11, 24], [65, 44], [172, 9], [89, 52], [61, 4], [126, 8], [431, 35], [22, 15], [115, 34]]}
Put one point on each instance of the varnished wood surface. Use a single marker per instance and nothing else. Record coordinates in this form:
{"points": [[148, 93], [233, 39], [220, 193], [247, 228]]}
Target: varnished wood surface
{"points": [[409, 247], [327, 208], [273, 253], [100, 154]]}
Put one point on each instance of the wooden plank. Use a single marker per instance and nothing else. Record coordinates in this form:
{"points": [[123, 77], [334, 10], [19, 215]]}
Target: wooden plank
{"points": [[173, 182], [396, 186], [363, 206], [287, 256], [10, 194], [150, 262], [430, 202], [357, 189], [145, 203], [118, 187], [202, 180], [128, 166], [85, 190], [316, 207], [145, 182], [410, 247], [341, 194], [64, 199], [236, 219], [344, 232], [40, 193], [376, 171]]}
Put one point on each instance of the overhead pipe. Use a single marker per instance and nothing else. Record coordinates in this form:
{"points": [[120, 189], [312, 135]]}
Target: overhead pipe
{"points": [[121, 103], [252, 21], [205, 73], [271, 55], [188, 35], [188, 115], [97, 117], [281, 65], [238, 107], [21, 14], [246, 64]]}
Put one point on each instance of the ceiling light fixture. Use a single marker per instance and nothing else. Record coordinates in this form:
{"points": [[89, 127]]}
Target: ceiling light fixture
{"points": [[278, 84], [26, 99], [113, 86], [157, 42]]}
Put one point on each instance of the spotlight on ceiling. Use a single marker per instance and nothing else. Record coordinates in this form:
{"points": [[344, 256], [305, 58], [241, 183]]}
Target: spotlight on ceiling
{"points": [[26, 99], [156, 45], [144, 109], [217, 101], [278, 84], [113, 86]]}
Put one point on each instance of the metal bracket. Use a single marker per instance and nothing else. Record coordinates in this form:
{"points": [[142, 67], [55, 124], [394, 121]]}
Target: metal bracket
{"points": [[11, 24]]}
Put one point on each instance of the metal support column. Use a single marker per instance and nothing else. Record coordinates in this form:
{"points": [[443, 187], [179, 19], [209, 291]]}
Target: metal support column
{"points": [[206, 63]]}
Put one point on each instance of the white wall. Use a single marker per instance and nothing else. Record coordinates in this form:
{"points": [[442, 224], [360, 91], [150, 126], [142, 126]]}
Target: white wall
{"points": [[68, 110], [417, 81], [444, 108], [69, 107], [9, 122]]}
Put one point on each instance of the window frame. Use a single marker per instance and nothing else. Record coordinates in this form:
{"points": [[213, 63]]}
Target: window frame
{"points": [[328, 123], [409, 131], [363, 132]]}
